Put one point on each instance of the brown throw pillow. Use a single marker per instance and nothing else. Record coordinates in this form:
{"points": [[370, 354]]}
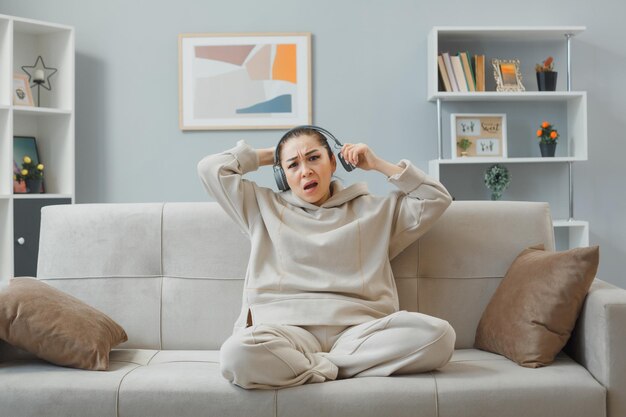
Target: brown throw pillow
{"points": [[533, 312], [55, 326]]}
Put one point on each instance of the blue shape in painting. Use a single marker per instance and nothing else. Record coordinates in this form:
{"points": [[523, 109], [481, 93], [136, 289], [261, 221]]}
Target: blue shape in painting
{"points": [[280, 104]]}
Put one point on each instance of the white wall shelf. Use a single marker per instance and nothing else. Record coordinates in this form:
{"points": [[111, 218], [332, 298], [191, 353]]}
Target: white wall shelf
{"points": [[508, 96], [525, 110], [40, 196], [577, 232], [506, 33], [51, 122], [488, 160], [40, 110]]}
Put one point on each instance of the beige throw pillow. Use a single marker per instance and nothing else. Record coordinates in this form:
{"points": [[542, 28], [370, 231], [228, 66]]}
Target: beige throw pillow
{"points": [[533, 312], [55, 326]]}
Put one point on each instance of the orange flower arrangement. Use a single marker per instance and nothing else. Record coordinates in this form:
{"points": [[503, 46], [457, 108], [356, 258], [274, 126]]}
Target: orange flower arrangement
{"points": [[547, 133], [545, 66]]}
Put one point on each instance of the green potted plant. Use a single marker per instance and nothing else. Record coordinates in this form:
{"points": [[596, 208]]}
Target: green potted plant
{"points": [[464, 144], [32, 174], [548, 137], [546, 76]]}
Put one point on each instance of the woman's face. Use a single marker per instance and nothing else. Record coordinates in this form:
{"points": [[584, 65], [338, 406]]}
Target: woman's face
{"points": [[308, 168]]}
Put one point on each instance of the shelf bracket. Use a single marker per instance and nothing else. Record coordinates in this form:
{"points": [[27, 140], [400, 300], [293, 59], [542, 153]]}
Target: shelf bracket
{"points": [[568, 41], [571, 191]]}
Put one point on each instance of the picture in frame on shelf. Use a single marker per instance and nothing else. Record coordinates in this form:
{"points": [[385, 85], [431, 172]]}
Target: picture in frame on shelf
{"points": [[244, 81], [24, 146], [478, 135], [507, 75], [22, 95]]}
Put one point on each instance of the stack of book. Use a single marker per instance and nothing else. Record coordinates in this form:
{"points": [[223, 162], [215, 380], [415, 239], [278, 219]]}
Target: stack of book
{"points": [[460, 73]]}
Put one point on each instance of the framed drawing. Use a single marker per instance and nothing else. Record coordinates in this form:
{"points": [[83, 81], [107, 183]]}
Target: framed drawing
{"points": [[507, 75], [478, 135], [24, 146], [22, 96], [244, 81]]}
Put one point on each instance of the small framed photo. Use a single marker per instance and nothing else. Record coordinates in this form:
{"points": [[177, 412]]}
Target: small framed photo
{"points": [[24, 146], [507, 75], [478, 135], [244, 80], [22, 96]]}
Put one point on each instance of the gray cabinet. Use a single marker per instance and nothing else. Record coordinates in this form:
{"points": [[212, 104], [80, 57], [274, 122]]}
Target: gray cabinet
{"points": [[26, 223]]}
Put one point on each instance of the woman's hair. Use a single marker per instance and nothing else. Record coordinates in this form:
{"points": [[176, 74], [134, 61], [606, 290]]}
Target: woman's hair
{"points": [[304, 131]]}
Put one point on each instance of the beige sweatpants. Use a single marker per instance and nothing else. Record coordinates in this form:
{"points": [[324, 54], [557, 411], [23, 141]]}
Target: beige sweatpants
{"points": [[272, 356]]}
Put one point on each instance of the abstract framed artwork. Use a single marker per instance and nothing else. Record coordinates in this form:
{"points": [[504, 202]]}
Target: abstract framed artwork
{"points": [[478, 135], [244, 80]]}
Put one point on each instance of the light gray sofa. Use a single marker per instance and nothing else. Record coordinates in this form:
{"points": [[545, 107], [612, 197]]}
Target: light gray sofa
{"points": [[172, 275]]}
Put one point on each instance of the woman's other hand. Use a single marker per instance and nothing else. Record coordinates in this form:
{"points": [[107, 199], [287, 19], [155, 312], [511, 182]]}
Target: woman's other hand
{"points": [[359, 155], [362, 156]]}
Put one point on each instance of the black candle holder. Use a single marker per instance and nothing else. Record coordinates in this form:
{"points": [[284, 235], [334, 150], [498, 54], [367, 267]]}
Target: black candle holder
{"points": [[45, 82], [38, 83]]}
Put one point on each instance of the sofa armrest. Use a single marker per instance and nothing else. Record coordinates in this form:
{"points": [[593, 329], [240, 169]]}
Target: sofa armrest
{"points": [[599, 342]]}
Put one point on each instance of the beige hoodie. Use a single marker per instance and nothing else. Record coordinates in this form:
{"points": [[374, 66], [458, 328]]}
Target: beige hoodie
{"points": [[326, 265]]}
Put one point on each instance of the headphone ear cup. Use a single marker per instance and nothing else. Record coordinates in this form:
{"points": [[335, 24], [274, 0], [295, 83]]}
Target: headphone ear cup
{"points": [[347, 166], [281, 179]]}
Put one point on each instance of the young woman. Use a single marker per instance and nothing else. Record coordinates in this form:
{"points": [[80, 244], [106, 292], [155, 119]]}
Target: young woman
{"points": [[320, 301]]}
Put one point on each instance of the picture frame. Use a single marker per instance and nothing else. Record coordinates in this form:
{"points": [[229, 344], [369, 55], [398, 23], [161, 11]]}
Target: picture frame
{"points": [[233, 81], [22, 94], [486, 133], [507, 75], [22, 146]]}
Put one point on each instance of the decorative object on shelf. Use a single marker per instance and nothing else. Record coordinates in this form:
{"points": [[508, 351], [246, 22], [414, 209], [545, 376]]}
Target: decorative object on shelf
{"points": [[507, 75], [548, 137], [19, 186], [22, 96], [546, 76], [464, 144], [32, 174], [485, 132], [497, 179], [244, 81], [25, 151], [37, 75]]}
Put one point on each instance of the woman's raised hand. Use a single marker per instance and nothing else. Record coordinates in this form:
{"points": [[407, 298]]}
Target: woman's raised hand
{"points": [[359, 155]]}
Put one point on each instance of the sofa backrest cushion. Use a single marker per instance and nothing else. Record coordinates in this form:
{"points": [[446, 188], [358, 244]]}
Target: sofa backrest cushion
{"points": [[172, 274]]}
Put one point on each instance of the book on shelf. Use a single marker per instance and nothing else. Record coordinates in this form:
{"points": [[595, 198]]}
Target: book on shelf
{"points": [[448, 64], [467, 71], [444, 74], [461, 72], [479, 68], [457, 67]]}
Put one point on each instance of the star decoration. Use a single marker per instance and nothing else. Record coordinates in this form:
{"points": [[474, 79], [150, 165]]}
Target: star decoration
{"points": [[48, 72]]}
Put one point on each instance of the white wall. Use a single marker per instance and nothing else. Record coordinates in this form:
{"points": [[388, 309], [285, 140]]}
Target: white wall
{"points": [[369, 84]]}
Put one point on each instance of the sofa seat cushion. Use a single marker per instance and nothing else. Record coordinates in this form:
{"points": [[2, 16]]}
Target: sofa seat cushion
{"points": [[398, 396], [188, 383], [476, 384], [34, 387]]}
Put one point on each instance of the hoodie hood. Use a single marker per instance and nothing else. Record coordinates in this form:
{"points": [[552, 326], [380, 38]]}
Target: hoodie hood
{"points": [[339, 196]]}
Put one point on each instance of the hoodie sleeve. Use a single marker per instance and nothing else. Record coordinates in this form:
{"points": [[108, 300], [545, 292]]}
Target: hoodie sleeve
{"points": [[421, 201], [221, 175]]}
